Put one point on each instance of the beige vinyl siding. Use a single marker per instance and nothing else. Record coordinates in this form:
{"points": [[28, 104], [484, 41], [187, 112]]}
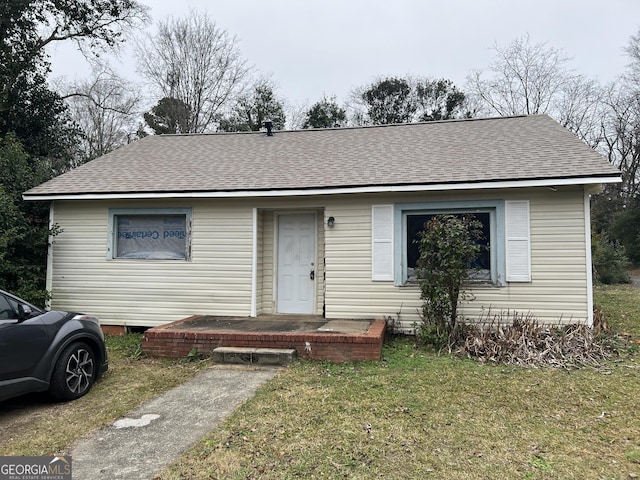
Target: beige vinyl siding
{"points": [[557, 292], [350, 292], [217, 279]]}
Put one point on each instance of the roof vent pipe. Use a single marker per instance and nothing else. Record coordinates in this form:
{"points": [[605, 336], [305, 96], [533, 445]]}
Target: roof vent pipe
{"points": [[269, 126]]}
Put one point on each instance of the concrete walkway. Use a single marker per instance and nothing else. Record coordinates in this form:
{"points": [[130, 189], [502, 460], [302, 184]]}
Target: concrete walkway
{"points": [[157, 432]]}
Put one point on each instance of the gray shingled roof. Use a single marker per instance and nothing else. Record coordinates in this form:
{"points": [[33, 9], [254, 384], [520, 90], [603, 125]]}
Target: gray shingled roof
{"points": [[433, 153]]}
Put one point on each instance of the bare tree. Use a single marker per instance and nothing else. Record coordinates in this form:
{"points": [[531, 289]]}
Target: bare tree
{"points": [[581, 108], [620, 126], [525, 78], [623, 128], [616, 212], [632, 75], [528, 79], [105, 107], [621, 137], [296, 114], [194, 61]]}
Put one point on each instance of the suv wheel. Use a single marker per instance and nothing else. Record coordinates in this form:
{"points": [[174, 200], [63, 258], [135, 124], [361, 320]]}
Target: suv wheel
{"points": [[73, 373]]}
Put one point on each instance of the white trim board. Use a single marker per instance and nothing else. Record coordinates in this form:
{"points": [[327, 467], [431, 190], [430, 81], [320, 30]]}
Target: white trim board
{"points": [[329, 191]]}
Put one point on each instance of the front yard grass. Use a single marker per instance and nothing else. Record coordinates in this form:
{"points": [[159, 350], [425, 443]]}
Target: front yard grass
{"points": [[416, 415], [421, 415], [621, 307]]}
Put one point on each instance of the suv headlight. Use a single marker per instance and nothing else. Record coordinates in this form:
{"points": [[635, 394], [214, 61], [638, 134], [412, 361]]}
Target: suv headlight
{"points": [[87, 318]]}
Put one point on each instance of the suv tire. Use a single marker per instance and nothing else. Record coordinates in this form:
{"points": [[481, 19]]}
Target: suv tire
{"points": [[74, 372]]}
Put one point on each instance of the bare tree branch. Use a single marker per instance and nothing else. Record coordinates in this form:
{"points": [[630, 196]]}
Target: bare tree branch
{"points": [[530, 79], [193, 60], [105, 107], [524, 79]]}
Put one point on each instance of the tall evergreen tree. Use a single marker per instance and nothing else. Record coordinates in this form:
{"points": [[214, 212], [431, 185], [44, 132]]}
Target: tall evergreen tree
{"points": [[405, 100], [36, 134], [325, 114], [254, 108], [170, 115]]}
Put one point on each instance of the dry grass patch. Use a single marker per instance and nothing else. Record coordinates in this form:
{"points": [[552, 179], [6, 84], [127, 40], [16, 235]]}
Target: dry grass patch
{"points": [[33, 425]]}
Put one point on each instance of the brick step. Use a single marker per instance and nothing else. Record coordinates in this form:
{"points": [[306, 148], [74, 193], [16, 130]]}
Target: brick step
{"points": [[248, 355]]}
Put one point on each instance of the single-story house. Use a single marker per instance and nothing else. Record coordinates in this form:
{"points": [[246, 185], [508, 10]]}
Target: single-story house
{"points": [[323, 221]]}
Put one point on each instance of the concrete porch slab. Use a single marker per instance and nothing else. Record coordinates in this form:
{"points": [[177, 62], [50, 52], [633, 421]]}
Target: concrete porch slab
{"points": [[312, 337]]}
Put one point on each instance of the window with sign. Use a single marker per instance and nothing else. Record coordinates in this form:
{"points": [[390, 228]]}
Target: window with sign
{"points": [[150, 234]]}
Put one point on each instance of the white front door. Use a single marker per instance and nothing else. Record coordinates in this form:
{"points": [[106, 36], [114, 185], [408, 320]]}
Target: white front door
{"points": [[296, 283]]}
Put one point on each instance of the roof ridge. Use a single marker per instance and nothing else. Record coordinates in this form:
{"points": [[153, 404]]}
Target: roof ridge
{"points": [[352, 127]]}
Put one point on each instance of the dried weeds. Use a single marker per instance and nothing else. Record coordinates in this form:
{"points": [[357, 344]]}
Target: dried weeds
{"points": [[517, 339]]}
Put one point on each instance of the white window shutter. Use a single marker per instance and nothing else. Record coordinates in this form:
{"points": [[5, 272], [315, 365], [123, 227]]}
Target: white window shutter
{"points": [[518, 255], [382, 243]]}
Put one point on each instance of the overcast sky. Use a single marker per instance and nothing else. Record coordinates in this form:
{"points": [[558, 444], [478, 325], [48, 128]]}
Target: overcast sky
{"points": [[311, 48]]}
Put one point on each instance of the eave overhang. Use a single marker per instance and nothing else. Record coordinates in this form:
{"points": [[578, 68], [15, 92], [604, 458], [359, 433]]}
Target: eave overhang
{"points": [[532, 183]]}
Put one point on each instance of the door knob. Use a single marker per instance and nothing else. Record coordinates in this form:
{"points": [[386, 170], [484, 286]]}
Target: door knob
{"points": [[312, 275]]}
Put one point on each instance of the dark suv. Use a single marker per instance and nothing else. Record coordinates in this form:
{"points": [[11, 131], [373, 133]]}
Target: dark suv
{"points": [[60, 352]]}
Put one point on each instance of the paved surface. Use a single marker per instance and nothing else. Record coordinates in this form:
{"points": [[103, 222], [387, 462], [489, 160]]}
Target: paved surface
{"points": [[157, 432], [272, 323]]}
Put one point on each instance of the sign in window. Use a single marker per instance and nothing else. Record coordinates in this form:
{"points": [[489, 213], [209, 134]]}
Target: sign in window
{"points": [[163, 237]]}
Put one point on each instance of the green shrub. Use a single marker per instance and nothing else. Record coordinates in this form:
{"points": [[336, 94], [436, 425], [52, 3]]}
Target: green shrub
{"points": [[625, 230], [610, 263], [448, 246]]}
